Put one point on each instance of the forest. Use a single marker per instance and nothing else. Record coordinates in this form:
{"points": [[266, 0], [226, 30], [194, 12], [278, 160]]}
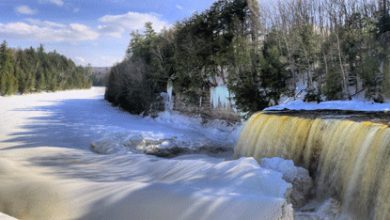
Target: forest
{"points": [[329, 49], [33, 70]]}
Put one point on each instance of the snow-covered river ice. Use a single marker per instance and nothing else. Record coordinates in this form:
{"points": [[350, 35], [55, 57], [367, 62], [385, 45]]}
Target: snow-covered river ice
{"points": [[49, 171]]}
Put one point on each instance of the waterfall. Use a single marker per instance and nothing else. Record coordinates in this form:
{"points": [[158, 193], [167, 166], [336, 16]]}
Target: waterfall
{"points": [[349, 158]]}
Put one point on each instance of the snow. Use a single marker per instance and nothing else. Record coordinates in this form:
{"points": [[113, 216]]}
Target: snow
{"points": [[46, 163], [6, 217], [286, 167], [353, 105]]}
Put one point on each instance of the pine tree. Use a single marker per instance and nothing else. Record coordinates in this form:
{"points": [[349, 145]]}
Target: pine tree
{"points": [[9, 83]]}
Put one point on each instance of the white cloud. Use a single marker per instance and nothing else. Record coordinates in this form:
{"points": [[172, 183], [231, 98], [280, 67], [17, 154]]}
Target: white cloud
{"points": [[47, 31], [179, 7], [55, 2], [80, 61], [117, 25], [26, 10]]}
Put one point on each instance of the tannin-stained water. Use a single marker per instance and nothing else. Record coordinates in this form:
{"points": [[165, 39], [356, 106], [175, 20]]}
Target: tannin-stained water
{"points": [[349, 159]]}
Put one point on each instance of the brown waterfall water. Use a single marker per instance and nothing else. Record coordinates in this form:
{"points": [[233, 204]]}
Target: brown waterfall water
{"points": [[349, 159]]}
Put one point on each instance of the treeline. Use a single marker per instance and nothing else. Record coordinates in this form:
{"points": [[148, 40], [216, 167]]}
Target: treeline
{"points": [[34, 70], [340, 48], [328, 49]]}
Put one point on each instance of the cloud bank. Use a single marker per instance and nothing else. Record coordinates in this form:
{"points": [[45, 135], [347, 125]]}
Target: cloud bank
{"points": [[59, 3], [47, 31], [117, 25]]}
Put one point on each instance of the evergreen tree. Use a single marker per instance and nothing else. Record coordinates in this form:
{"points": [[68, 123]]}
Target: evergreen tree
{"points": [[326, 49], [9, 82], [35, 70]]}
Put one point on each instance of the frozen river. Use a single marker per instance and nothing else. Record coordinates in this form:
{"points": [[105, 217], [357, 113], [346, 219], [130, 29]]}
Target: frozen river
{"points": [[47, 170]]}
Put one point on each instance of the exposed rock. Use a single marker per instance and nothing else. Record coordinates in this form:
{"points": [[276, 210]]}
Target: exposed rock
{"points": [[161, 147], [316, 210], [299, 178]]}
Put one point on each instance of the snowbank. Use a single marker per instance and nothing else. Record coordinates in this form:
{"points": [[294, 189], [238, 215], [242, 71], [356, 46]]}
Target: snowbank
{"points": [[353, 105]]}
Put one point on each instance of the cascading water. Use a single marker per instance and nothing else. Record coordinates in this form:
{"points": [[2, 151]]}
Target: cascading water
{"points": [[349, 159]]}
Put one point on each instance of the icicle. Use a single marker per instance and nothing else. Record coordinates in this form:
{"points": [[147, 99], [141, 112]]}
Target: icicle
{"points": [[220, 97], [169, 103]]}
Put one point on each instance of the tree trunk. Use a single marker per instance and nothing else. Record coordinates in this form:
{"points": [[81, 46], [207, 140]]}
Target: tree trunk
{"points": [[344, 75]]}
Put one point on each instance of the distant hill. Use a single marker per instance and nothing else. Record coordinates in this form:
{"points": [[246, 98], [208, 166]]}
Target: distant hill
{"points": [[100, 75]]}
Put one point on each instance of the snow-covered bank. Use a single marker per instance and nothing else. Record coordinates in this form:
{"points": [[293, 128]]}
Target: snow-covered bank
{"points": [[353, 105], [46, 139]]}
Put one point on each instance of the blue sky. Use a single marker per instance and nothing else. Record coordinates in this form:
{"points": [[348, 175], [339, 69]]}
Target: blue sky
{"points": [[88, 31]]}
